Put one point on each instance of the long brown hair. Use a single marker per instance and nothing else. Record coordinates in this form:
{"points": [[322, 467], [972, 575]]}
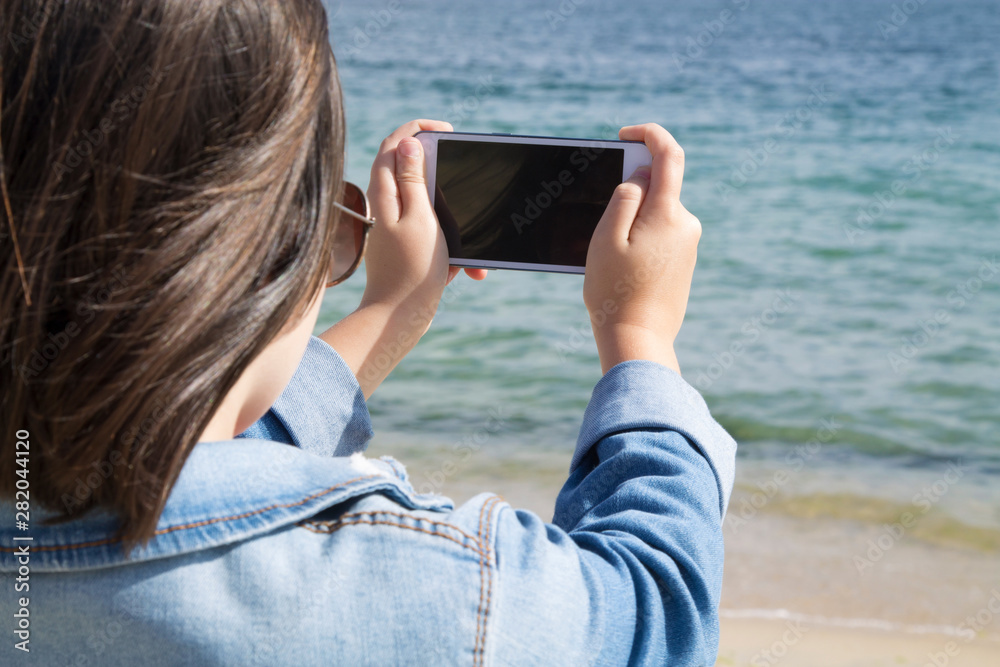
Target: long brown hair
{"points": [[167, 171]]}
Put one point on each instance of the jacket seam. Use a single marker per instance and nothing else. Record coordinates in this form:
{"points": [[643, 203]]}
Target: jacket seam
{"points": [[482, 583], [449, 526], [356, 518], [485, 552], [485, 580], [206, 522]]}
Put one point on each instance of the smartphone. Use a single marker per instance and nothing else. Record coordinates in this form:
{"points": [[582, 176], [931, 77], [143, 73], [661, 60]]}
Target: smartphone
{"points": [[521, 202]]}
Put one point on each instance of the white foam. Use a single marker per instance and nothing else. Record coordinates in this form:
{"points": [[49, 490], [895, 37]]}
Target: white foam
{"points": [[852, 623]]}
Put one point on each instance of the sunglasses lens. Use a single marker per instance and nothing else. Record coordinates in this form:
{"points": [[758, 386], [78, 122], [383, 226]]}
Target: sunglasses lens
{"points": [[350, 232]]}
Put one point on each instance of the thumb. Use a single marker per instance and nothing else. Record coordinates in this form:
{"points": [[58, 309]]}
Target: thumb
{"points": [[410, 178], [616, 224]]}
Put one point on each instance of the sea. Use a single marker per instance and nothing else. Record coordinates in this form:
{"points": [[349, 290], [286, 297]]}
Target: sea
{"points": [[844, 160]]}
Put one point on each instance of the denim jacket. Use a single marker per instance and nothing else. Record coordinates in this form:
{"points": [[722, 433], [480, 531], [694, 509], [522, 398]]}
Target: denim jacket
{"points": [[310, 554]]}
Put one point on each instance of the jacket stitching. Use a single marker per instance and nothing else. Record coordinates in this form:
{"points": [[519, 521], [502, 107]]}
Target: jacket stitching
{"points": [[198, 524], [479, 609], [456, 529], [329, 527], [489, 574], [485, 574]]}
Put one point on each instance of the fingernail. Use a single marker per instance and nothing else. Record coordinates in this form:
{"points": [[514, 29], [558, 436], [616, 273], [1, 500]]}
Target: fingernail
{"points": [[409, 148], [644, 172]]}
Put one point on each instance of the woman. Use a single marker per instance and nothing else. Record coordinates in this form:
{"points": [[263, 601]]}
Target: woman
{"points": [[170, 173]]}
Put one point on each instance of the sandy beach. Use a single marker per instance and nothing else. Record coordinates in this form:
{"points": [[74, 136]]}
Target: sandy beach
{"points": [[793, 595], [761, 643], [801, 585]]}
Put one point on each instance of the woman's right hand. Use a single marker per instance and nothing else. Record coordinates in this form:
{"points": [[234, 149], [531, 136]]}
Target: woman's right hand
{"points": [[406, 263], [642, 258]]}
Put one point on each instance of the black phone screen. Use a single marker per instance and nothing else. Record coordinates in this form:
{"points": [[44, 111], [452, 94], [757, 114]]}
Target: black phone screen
{"points": [[522, 202]]}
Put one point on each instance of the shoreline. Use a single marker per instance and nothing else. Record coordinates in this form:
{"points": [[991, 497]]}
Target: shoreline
{"points": [[873, 625]]}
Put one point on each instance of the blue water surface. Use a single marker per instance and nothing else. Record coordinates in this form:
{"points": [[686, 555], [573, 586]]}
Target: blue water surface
{"points": [[798, 118]]}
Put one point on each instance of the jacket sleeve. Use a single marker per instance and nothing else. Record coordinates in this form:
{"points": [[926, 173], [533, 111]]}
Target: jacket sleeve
{"points": [[322, 410], [630, 569]]}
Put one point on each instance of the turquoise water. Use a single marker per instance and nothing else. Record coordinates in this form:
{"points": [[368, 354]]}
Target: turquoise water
{"points": [[796, 117]]}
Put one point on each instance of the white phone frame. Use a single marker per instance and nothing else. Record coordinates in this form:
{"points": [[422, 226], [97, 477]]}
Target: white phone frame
{"points": [[636, 155]]}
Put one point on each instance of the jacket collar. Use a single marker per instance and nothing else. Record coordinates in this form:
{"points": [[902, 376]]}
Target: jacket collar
{"points": [[227, 492]]}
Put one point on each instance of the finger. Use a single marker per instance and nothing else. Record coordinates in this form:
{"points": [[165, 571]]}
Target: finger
{"points": [[477, 274], [382, 186], [453, 271], [414, 198], [668, 164], [410, 129], [616, 223]]}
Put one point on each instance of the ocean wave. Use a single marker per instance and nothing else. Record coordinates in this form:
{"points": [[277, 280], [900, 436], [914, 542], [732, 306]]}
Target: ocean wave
{"points": [[848, 623]]}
